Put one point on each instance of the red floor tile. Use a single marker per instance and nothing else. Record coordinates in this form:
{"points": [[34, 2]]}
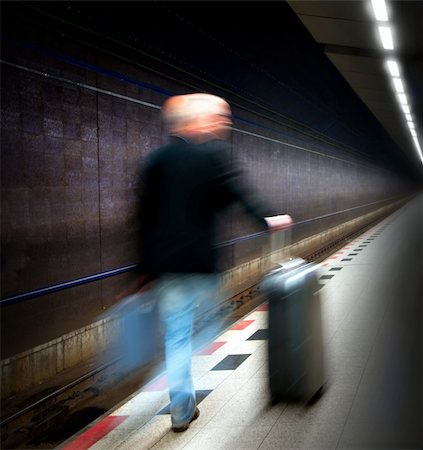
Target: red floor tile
{"points": [[263, 307], [211, 348], [94, 434], [242, 325]]}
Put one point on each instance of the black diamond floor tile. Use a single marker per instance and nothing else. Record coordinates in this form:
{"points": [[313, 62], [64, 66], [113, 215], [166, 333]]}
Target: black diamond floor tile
{"points": [[346, 259], [335, 268], [199, 397], [231, 362], [259, 335], [352, 254], [326, 277]]}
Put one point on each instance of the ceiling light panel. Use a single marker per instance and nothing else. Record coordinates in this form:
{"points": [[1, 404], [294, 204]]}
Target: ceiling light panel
{"points": [[379, 9], [406, 108], [393, 68], [398, 85], [402, 99], [386, 38]]}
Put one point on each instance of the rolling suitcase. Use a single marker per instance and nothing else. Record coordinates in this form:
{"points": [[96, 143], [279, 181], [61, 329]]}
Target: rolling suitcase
{"points": [[295, 344]]}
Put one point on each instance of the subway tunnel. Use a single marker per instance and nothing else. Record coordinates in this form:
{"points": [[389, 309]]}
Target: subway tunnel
{"points": [[316, 129]]}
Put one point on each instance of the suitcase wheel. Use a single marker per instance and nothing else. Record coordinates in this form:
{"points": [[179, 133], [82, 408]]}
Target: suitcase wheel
{"points": [[317, 395]]}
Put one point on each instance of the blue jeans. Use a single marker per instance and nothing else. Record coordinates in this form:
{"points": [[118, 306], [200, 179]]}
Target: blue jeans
{"points": [[180, 298]]}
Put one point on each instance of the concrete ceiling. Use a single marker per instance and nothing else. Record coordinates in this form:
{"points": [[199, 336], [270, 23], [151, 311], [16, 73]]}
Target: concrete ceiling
{"points": [[347, 32]]}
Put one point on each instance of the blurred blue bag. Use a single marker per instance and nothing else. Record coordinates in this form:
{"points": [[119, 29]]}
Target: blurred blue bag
{"points": [[138, 334]]}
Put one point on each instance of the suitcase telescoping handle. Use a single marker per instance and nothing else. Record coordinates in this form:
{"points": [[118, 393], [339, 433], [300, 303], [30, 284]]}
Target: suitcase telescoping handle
{"points": [[281, 240], [278, 249], [280, 227]]}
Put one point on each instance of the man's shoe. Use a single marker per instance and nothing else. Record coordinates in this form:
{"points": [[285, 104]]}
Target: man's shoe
{"points": [[186, 426]]}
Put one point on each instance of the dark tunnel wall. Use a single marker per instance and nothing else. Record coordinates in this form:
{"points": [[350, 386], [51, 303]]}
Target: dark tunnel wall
{"points": [[75, 124]]}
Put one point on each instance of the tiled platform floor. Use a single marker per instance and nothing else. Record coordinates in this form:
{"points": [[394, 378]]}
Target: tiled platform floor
{"points": [[371, 302]]}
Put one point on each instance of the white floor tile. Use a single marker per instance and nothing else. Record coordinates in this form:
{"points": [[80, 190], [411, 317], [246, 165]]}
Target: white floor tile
{"points": [[148, 435], [229, 437]]}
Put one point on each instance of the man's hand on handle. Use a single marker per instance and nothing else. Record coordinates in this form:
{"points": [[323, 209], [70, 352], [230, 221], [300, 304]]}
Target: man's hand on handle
{"points": [[278, 223]]}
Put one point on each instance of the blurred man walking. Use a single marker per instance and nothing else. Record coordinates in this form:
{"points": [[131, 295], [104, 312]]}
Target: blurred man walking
{"points": [[185, 184]]}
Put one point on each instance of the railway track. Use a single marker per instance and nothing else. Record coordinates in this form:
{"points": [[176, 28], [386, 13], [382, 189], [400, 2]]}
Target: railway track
{"points": [[62, 411], [53, 416]]}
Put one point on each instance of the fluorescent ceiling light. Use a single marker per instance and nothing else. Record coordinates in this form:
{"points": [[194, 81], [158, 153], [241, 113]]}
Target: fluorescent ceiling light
{"points": [[398, 85], [408, 117], [393, 68], [411, 125], [406, 108], [386, 37], [419, 150], [413, 133], [379, 8], [402, 99]]}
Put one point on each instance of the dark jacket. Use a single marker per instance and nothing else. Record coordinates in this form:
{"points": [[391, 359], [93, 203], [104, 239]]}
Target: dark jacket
{"points": [[184, 186]]}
